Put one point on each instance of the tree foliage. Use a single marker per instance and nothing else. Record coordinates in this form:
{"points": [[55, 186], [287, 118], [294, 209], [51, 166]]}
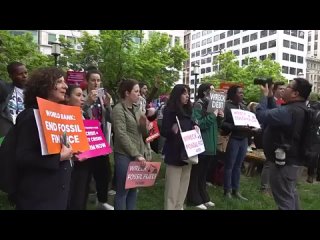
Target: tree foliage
{"points": [[229, 70], [20, 48]]}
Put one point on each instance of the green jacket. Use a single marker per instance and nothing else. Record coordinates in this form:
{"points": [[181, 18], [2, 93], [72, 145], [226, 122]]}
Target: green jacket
{"points": [[207, 123], [129, 135]]}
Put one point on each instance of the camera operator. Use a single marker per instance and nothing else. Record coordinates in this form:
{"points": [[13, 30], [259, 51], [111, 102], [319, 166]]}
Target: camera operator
{"points": [[283, 127]]}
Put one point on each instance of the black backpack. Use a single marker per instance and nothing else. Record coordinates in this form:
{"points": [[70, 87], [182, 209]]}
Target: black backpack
{"points": [[311, 137]]}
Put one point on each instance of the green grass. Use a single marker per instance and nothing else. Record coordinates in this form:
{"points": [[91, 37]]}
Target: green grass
{"points": [[151, 198]]}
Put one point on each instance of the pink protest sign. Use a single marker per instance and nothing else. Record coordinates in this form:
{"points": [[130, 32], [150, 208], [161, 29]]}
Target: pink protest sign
{"points": [[97, 142], [75, 77], [142, 177]]}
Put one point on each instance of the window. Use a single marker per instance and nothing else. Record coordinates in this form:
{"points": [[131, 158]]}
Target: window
{"points": [[216, 48], [236, 52], [286, 32], [192, 81], [263, 33], [244, 62], [222, 35], [285, 69], [222, 46], [209, 31], [216, 38], [309, 38], [271, 32], [253, 48], [176, 40], [197, 53], [204, 42], [253, 36], [230, 43], [263, 45], [294, 33], [300, 59], [285, 56], [198, 44], [316, 37], [193, 36], [301, 34], [293, 71], [192, 64], [286, 43], [203, 70], [229, 33], [208, 69], [198, 62], [193, 45], [293, 58], [203, 61], [204, 32], [272, 43], [236, 32], [315, 45], [209, 40], [263, 57], [300, 47], [245, 39], [299, 70], [309, 48], [193, 55], [52, 38], [293, 45], [209, 50], [245, 50], [236, 41], [272, 56], [209, 60], [214, 68], [170, 41], [198, 35]]}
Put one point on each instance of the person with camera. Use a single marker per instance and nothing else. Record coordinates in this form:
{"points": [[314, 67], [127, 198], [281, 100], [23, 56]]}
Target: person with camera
{"points": [[283, 129]]}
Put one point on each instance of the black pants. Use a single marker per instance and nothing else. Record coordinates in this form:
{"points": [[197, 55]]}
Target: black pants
{"points": [[213, 164], [101, 172], [197, 192], [79, 186]]}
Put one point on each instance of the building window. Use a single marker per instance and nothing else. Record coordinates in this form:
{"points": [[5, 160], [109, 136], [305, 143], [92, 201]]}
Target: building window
{"points": [[198, 44], [198, 62], [286, 32], [52, 38], [236, 32], [263, 57], [193, 55], [309, 48], [209, 60], [272, 43], [209, 31], [215, 68], [271, 32], [309, 38], [204, 32], [253, 48], [209, 40], [286, 43], [301, 34], [293, 58], [300, 59], [316, 37], [293, 45], [253, 36], [222, 35], [272, 56], [299, 70], [285, 69], [245, 50], [203, 70], [244, 62], [209, 50], [229, 33], [208, 69], [176, 40], [230, 44], [215, 48], [222, 46], [245, 39], [204, 42], [300, 47], [216, 38], [285, 56], [294, 33], [197, 53], [236, 52], [293, 71], [263, 45], [236, 41], [203, 61], [198, 34], [315, 45], [263, 33]]}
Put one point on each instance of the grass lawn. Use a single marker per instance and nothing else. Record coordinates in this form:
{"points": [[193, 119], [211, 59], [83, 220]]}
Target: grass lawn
{"points": [[151, 198]]}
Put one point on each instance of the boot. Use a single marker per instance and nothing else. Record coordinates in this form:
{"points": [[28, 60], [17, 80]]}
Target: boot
{"points": [[227, 194], [237, 194], [310, 179]]}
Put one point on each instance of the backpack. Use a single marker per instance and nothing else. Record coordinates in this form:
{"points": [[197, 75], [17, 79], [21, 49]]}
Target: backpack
{"points": [[310, 150]]}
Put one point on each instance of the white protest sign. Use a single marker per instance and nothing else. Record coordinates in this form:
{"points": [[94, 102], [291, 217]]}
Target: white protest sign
{"points": [[192, 141], [244, 118]]}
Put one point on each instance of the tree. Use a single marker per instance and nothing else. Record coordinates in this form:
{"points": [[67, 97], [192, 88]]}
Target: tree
{"points": [[229, 70], [20, 48]]}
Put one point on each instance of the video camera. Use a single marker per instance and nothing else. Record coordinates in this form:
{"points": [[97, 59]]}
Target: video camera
{"points": [[263, 81]]}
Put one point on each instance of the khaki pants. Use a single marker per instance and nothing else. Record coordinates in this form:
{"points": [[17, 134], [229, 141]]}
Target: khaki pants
{"points": [[176, 187]]}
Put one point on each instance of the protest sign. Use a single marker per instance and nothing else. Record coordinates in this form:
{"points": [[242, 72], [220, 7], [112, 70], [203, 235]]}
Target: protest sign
{"points": [[217, 101], [53, 120], [244, 118], [75, 77], [142, 177], [154, 132], [97, 142]]}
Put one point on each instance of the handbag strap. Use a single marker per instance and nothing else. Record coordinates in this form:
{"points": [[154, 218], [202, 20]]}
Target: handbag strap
{"points": [[178, 122]]}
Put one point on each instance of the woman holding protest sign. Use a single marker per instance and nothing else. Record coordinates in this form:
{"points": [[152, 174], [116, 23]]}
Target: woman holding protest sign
{"points": [[207, 122], [43, 181], [177, 171], [130, 129]]}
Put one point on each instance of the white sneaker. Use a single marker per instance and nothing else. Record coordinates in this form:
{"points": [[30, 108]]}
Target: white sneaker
{"points": [[104, 206], [111, 192], [209, 204], [202, 206]]}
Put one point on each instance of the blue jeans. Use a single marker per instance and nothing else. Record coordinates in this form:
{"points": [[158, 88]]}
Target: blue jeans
{"points": [[235, 154], [125, 199]]}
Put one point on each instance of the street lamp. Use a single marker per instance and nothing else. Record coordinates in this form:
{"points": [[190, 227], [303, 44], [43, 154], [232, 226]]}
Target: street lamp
{"points": [[55, 51], [195, 73]]}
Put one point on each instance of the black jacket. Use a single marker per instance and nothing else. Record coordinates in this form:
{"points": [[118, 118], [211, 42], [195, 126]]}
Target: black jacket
{"points": [[6, 122], [282, 125], [173, 147], [44, 181]]}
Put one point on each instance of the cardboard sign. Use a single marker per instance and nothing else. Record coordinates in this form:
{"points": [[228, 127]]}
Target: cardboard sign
{"points": [[154, 132], [142, 177], [53, 120], [97, 142], [244, 118], [75, 77], [217, 101]]}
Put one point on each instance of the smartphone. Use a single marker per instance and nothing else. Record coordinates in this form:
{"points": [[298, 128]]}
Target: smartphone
{"points": [[64, 139], [100, 92]]}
